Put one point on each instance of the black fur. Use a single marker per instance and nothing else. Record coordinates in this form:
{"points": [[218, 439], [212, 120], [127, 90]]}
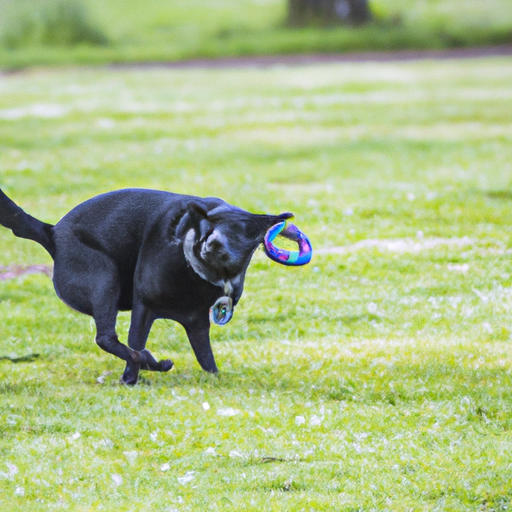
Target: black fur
{"points": [[158, 254]]}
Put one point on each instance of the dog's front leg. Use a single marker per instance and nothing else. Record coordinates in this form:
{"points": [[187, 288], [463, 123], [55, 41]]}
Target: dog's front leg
{"points": [[141, 321], [199, 337]]}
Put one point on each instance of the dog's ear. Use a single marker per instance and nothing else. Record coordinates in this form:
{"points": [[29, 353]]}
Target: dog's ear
{"points": [[258, 225], [194, 218]]}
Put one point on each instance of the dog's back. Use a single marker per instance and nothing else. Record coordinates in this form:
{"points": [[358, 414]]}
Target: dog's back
{"points": [[114, 223], [117, 223]]}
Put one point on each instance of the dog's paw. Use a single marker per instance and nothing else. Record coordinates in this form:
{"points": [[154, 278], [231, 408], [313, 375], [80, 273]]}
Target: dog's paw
{"points": [[128, 382], [130, 376], [166, 365]]}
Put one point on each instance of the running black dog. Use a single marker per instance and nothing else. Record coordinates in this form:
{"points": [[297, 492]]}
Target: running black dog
{"points": [[158, 254]]}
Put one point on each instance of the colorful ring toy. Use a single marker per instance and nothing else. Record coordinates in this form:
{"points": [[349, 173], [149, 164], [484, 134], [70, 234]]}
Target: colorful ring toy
{"points": [[291, 258]]}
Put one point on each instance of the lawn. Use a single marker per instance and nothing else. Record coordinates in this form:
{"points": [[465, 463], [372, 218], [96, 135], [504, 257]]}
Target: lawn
{"points": [[377, 378], [160, 30]]}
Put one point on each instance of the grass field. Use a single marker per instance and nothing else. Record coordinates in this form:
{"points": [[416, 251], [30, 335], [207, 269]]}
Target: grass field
{"points": [[175, 30], [377, 378]]}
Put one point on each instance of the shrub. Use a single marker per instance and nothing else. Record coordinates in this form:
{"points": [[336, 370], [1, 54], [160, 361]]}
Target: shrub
{"points": [[47, 23]]}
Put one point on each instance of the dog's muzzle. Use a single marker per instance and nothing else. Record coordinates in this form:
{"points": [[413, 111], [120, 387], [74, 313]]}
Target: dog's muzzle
{"points": [[291, 258]]}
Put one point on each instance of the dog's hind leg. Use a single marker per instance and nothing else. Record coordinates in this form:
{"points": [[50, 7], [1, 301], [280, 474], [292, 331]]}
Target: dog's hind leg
{"points": [[199, 337], [107, 339], [141, 322], [88, 281]]}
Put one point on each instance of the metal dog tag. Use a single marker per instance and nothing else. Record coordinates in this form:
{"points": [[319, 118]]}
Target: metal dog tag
{"points": [[222, 311]]}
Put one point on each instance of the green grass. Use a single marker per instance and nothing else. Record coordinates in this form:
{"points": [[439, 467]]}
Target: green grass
{"points": [[377, 378], [171, 30]]}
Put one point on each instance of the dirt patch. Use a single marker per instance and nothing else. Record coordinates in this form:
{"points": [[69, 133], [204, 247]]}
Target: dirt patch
{"points": [[13, 271], [266, 61], [305, 59]]}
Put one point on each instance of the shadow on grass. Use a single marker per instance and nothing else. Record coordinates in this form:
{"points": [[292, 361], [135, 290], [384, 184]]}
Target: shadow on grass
{"points": [[23, 359], [500, 194]]}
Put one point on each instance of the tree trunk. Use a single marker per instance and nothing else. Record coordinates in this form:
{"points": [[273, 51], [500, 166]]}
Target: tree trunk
{"points": [[328, 12]]}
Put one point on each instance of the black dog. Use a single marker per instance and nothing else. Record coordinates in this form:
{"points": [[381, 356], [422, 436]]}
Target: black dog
{"points": [[158, 254]]}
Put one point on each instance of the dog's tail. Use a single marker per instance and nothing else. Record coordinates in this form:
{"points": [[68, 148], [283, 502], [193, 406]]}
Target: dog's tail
{"points": [[24, 225]]}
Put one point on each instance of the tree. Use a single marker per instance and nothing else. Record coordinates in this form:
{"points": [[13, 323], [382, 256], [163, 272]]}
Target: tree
{"points": [[328, 12]]}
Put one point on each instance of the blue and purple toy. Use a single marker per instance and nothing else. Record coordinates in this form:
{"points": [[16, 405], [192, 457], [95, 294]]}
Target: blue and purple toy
{"points": [[291, 258]]}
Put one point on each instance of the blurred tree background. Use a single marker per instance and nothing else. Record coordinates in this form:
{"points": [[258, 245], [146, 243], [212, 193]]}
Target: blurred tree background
{"points": [[328, 12], [49, 23], [101, 31]]}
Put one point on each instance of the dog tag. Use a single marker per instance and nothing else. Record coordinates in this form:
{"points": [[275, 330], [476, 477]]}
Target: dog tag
{"points": [[222, 311]]}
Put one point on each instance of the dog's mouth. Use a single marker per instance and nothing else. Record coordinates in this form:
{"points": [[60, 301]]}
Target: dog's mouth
{"points": [[284, 256], [209, 233], [203, 243]]}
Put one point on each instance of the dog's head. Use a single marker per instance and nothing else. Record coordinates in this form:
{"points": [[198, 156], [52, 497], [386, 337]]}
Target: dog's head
{"points": [[219, 243]]}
